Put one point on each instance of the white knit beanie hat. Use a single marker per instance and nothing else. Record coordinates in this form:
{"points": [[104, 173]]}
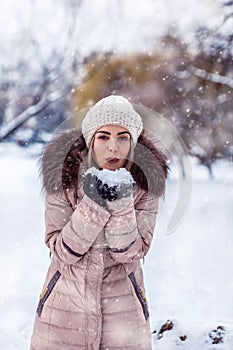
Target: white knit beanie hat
{"points": [[112, 110]]}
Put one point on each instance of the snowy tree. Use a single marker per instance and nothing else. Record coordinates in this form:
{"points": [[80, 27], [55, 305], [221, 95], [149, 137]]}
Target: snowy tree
{"points": [[209, 113], [44, 63], [191, 87]]}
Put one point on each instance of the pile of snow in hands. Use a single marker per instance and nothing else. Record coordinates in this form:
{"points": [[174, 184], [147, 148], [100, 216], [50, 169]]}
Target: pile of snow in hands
{"points": [[112, 178]]}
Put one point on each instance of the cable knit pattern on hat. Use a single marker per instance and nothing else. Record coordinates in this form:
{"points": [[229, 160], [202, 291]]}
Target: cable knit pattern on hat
{"points": [[112, 110]]}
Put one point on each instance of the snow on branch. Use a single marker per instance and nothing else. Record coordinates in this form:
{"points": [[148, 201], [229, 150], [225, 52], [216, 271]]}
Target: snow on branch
{"points": [[213, 77], [228, 3], [28, 113]]}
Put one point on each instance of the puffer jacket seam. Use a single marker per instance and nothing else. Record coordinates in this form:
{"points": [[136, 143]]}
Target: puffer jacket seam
{"points": [[119, 313], [134, 298], [86, 314], [50, 320], [98, 299], [60, 343], [49, 328]]}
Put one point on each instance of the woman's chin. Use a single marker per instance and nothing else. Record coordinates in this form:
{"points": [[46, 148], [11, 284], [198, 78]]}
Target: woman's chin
{"points": [[111, 166]]}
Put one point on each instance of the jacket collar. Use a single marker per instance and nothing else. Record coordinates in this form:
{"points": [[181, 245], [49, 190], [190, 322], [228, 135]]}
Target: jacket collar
{"points": [[63, 158]]}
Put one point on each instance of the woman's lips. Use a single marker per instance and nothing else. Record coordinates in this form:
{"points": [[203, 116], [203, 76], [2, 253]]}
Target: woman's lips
{"points": [[112, 160]]}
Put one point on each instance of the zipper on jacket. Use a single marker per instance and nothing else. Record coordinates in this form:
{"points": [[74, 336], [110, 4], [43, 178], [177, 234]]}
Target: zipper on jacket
{"points": [[141, 296], [47, 291]]}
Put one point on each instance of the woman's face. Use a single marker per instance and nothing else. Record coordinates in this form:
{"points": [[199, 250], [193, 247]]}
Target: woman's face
{"points": [[111, 146]]}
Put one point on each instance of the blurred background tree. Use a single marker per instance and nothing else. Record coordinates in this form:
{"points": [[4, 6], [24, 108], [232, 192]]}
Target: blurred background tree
{"points": [[36, 80], [190, 82]]}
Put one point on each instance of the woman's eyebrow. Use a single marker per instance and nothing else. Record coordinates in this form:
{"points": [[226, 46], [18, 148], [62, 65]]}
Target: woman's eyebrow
{"points": [[108, 133], [103, 132], [123, 132]]}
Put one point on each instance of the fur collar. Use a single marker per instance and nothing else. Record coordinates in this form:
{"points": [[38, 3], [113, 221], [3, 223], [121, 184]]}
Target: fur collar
{"points": [[64, 157]]}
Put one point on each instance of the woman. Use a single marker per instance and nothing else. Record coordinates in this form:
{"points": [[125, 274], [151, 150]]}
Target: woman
{"points": [[97, 232]]}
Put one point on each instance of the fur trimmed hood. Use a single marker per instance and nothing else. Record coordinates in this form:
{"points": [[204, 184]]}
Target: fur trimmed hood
{"points": [[63, 158]]}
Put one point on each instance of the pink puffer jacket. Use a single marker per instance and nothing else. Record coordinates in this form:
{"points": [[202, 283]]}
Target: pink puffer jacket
{"points": [[93, 296]]}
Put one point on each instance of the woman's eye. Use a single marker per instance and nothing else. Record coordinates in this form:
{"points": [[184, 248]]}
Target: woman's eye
{"points": [[103, 137], [123, 138]]}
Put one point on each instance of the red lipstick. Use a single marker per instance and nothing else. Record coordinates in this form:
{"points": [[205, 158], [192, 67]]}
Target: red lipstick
{"points": [[112, 160]]}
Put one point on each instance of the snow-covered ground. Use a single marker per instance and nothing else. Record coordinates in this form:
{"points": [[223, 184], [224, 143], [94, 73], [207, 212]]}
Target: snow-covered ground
{"points": [[188, 273]]}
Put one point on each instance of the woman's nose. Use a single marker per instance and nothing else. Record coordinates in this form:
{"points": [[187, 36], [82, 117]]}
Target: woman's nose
{"points": [[113, 145]]}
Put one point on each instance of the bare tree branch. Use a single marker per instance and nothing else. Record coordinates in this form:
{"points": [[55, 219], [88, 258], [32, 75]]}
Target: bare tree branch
{"points": [[56, 73], [31, 111], [228, 3], [213, 77]]}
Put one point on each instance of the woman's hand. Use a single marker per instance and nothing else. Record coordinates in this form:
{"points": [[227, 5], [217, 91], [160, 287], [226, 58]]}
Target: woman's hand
{"points": [[120, 191], [102, 185], [90, 187]]}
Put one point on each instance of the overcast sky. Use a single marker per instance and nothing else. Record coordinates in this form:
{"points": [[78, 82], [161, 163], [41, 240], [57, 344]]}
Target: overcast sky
{"points": [[105, 24]]}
